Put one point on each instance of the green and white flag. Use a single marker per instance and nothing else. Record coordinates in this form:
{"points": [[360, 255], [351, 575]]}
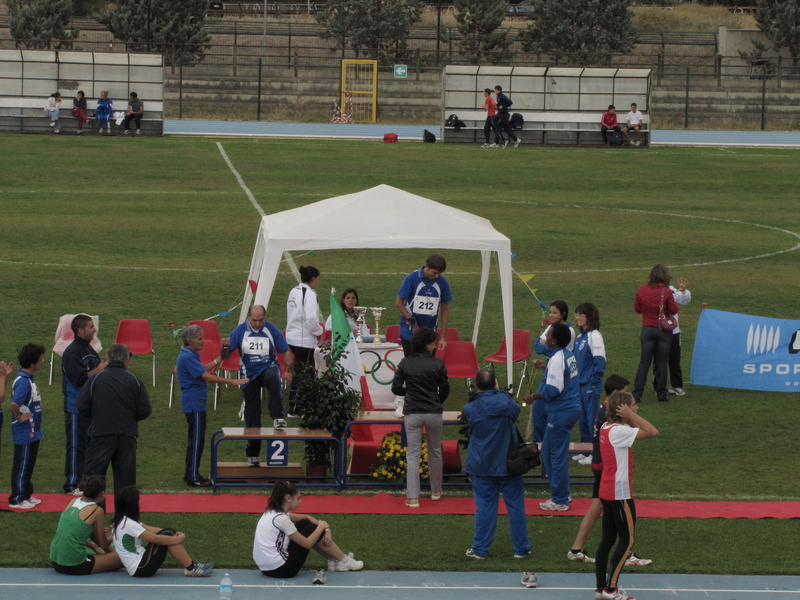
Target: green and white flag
{"points": [[342, 340]]}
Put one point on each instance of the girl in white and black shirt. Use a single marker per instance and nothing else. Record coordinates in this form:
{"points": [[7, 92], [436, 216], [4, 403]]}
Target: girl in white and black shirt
{"points": [[283, 538]]}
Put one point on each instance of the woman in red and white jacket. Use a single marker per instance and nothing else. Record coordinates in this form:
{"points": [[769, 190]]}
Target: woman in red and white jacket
{"points": [[623, 426], [654, 341]]}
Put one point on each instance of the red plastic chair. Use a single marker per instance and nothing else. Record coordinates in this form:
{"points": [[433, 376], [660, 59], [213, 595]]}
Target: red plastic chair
{"points": [[135, 334], [521, 353], [393, 333], [461, 360], [211, 333], [451, 335], [366, 440]]}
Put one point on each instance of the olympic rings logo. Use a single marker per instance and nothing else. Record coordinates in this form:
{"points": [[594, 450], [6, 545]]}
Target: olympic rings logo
{"points": [[378, 362]]}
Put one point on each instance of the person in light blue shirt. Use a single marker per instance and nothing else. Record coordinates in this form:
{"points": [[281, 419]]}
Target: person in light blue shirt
{"points": [[26, 429], [194, 377], [560, 392]]}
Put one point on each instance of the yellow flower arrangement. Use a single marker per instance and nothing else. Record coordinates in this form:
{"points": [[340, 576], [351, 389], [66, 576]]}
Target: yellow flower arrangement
{"points": [[393, 459]]}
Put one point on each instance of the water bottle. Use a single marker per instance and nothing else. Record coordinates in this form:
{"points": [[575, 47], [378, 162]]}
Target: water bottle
{"points": [[226, 588]]}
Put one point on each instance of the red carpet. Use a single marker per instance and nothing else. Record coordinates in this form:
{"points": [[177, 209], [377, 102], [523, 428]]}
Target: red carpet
{"points": [[387, 504]]}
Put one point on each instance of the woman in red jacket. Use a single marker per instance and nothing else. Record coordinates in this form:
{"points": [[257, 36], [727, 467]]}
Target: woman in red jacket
{"points": [[654, 341]]}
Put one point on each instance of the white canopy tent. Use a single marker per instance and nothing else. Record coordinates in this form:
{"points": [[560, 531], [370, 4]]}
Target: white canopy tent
{"points": [[381, 217]]}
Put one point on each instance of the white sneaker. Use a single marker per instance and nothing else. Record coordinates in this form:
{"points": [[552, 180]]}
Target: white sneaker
{"points": [[109, 130], [34, 501], [253, 461], [586, 460], [278, 423], [578, 456], [618, 594], [636, 143], [399, 403], [519, 139], [349, 564], [677, 391], [80, 131], [635, 561], [486, 146], [319, 578], [52, 123], [24, 505], [138, 132], [127, 132], [580, 556], [550, 505], [493, 146], [76, 492], [529, 579], [504, 144], [332, 563]]}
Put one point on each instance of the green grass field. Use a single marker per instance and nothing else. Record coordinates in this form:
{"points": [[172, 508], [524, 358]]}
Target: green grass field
{"points": [[160, 229]]}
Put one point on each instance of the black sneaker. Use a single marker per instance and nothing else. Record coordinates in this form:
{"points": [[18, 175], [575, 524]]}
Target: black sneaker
{"points": [[202, 482]]}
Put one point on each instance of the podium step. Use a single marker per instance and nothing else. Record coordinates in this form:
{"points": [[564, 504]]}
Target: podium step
{"points": [[262, 473]]}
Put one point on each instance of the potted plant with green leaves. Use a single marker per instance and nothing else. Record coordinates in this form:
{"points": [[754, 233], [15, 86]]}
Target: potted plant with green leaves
{"points": [[326, 401]]}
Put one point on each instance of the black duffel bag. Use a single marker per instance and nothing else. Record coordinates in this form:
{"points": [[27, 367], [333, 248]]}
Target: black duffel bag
{"points": [[523, 456]]}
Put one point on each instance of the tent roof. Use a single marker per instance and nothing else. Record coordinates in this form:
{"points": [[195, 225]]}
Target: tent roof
{"points": [[380, 217]]}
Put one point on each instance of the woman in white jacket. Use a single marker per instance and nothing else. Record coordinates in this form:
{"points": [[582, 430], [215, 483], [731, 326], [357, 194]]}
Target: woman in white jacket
{"points": [[51, 109], [303, 328]]}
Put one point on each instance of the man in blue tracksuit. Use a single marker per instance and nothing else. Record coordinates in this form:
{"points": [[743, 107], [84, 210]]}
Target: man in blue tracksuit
{"points": [[503, 104], [78, 363], [422, 297], [492, 414], [561, 395]]}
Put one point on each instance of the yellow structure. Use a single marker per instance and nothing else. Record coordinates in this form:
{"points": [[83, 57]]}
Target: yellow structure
{"points": [[360, 90]]}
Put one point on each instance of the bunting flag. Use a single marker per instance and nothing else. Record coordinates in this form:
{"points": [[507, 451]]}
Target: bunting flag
{"points": [[525, 279], [342, 341]]}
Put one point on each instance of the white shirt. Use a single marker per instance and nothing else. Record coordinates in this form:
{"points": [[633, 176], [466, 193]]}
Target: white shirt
{"points": [[52, 104], [271, 543], [634, 118], [302, 321], [682, 298], [129, 545]]}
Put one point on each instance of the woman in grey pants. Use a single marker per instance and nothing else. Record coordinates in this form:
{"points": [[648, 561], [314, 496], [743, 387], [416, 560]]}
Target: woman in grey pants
{"points": [[422, 379]]}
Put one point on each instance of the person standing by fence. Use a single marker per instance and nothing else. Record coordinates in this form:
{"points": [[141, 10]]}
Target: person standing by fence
{"points": [[490, 107]]}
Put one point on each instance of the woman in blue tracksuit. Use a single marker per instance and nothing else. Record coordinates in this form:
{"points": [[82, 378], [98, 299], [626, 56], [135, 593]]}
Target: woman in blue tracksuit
{"points": [[590, 353], [103, 111], [559, 311]]}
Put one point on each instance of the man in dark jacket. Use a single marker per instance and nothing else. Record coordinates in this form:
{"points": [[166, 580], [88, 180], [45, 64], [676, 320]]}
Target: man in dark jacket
{"points": [[492, 415], [115, 401], [78, 363], [503, 104]]}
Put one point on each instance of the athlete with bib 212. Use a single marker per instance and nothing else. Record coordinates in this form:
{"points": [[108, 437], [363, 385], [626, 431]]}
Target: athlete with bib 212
{"points": [[422, 297]]}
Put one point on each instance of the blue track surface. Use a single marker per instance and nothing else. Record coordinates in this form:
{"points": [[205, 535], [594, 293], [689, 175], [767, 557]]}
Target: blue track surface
{"points": [[414, 132], [39, 584]]}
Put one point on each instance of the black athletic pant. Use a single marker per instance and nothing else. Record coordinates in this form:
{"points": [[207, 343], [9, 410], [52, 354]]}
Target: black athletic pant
{"points": [[117, 450], [303, 362], [504, 125], [153, 556], [270, 380], [491, 125], [297, 554], [619, 521], [137, 117]]}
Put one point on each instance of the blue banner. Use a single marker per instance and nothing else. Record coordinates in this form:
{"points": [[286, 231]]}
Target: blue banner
{"points": [[746, 352]]}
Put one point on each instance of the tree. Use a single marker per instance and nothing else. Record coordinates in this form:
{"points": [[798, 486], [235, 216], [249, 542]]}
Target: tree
{"points": [[780, 22], [589, 31], [42, 23], [87, 8], [479, 25], [174, 28], [378, 28]]}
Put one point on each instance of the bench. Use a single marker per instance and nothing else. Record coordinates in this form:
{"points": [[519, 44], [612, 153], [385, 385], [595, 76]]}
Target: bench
{"points": [[25, 114], [242, 475], [542, 127]]}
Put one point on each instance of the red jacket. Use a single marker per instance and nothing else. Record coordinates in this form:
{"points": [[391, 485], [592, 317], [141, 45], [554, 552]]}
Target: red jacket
{"points": [[609, 120], [648, 301]]}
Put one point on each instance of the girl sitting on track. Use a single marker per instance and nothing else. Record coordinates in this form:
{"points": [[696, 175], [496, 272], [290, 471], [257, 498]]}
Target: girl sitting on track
{"points": [[623, 426], [141, 560], [283, 539], [81, 526]]}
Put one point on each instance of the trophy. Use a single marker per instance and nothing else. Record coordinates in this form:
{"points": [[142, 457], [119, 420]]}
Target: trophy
{"points": [[360, 312], [377, 313]]}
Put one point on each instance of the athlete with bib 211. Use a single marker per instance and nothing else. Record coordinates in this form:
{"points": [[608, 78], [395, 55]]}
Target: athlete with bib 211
{"points": [[422, 297]]}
